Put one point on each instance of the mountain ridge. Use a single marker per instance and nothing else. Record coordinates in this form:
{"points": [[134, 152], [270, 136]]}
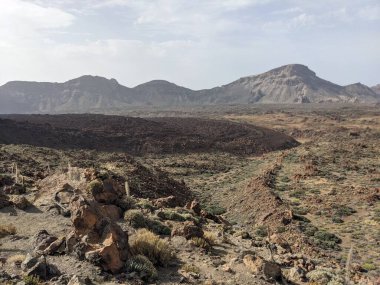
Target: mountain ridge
{"points": [[293, 83]]}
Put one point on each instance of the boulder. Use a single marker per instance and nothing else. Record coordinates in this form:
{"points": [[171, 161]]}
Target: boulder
{"points": [[15, 189], [272, 271], [196, 207], [4, 201], [112, 212], [258, 265], [20, 202], [42, 240], [56, 247], [253, 263], [166, 202], [35, 266], [96, 236], [188, 230], [296, 274], [75, 280], [104, 191]]}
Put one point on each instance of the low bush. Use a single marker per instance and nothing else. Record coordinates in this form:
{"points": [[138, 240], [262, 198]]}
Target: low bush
{"points": [[32, 280], [137, 220], [261, 231], [171, 215], [369, 266], [215, 210], [142, 265], [201, 243], [190, 268]]}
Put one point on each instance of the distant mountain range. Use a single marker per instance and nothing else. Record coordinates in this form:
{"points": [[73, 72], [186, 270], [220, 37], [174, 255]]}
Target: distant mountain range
{"points": [[293, 83]]}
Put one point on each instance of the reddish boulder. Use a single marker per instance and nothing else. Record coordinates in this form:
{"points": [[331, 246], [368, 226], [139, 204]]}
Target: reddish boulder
{"points": [[96, 236]]}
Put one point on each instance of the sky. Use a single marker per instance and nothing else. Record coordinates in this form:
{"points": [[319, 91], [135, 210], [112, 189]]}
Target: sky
{"points": [[194, 43]]}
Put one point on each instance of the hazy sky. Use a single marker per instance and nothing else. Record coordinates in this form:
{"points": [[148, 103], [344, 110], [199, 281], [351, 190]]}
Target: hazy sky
{"points": [[195, 43]]}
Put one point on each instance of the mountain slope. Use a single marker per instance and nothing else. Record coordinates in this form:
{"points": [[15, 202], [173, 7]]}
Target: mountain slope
{"points": [[376, 89], [293, 83]]}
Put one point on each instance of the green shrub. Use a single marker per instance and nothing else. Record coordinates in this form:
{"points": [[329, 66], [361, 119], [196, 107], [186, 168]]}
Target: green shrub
{"points": [[171, 215], [158, 228], [143, 266], [307, 228], [368, 266], [135, 219], [343, 211], [215, 210], [281, 229], [326, 240], [145, 204], [300, 211], [337, 220], [126, 203], [297, 194], [95, 186], [261, 231], [32, 280]]}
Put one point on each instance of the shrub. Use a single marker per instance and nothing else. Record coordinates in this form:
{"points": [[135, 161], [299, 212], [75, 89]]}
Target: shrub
{"points": [[190, 268], [337, 220], [281, 229], [135, 219], [297, 194], [171, 215], [326, 240], [201, 242], [142, 265], [95, 186], [300, 211], [32, 280], [16, 259], [210, 237], [6, 230], [126, 203], [150, 245], [261, 231], [215, 210], [307, 228], [145, 204], [343, 211], [158, 227], [368, 266]]}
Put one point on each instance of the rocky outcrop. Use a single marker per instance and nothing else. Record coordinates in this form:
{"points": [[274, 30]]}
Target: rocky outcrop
{"points": [[188, 230], [96, 237]]}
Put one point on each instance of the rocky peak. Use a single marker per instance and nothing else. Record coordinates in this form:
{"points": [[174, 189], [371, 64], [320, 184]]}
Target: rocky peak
{"points": [[290, 70], [90, 81]]}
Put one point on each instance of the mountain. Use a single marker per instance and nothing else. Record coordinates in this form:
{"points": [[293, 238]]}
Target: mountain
{"points": [[293, 83], [376, 89]]}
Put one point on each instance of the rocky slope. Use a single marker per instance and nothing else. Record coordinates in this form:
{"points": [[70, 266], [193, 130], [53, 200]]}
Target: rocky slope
{"points": [[293, 83]]}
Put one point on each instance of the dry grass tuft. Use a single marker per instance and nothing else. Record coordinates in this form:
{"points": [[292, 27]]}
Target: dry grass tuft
{"points": [[6, 230], [152, 246]]}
